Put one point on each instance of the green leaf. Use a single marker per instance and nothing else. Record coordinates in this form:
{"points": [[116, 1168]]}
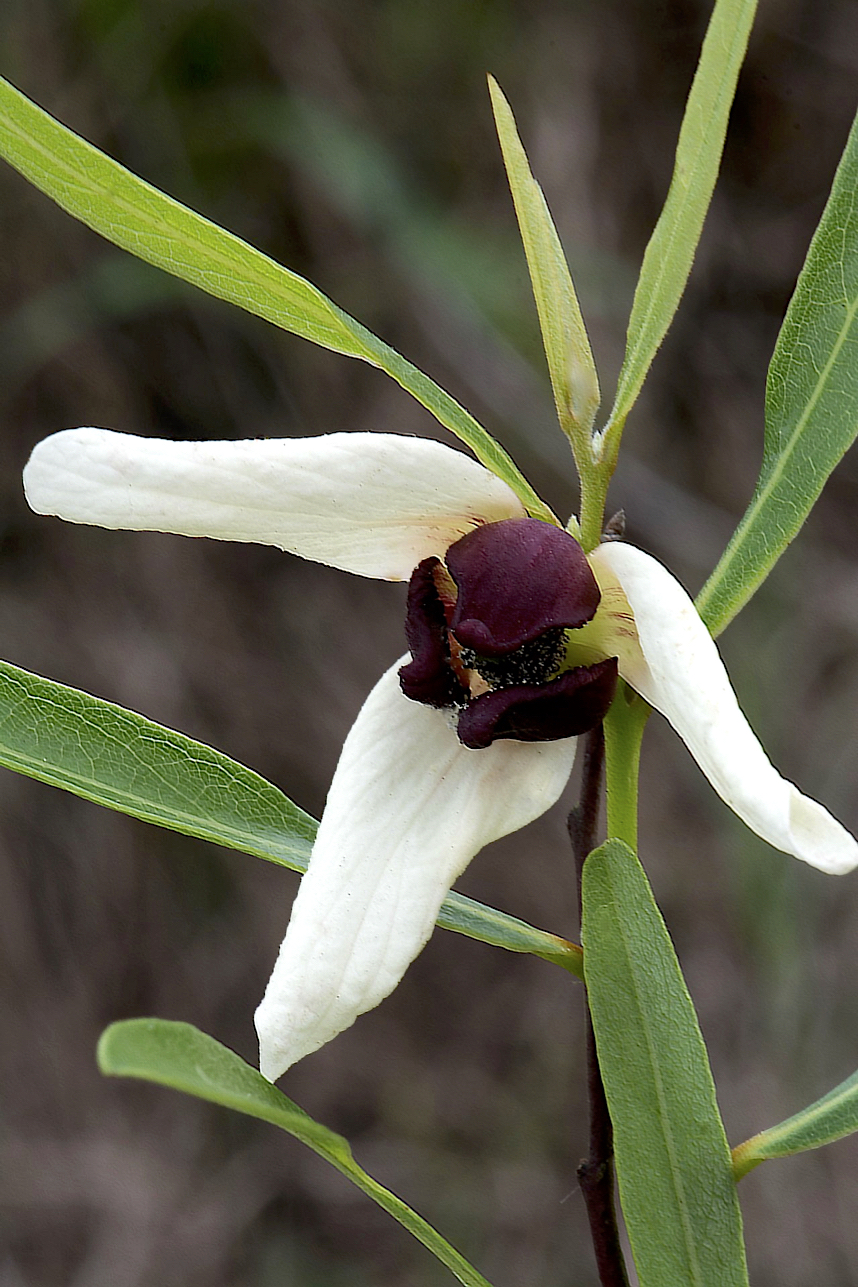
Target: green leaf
{"points": [[123, 761], [811, 403], [136, 216], [673, 1163], [117, 758], [670, 253], [831, 1118], [567, 348], [181, 1057], [467, 916]]}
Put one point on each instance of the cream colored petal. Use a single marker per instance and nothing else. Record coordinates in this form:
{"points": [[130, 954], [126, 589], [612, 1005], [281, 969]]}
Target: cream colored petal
{"points": [[370, 503], [679, 671], [408, 808]]}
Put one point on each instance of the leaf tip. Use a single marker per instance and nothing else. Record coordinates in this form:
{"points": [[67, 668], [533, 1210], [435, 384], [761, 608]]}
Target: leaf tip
{"points": [[500, 105], [105, 1053]]}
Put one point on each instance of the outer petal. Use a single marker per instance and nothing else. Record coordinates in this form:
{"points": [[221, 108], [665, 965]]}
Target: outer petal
{"points": [[408, 808], [370, 503], [679, 671]]}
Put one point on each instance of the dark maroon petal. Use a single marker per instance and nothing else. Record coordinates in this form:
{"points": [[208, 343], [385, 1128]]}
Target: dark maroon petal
{"points": [[576, 701], [517, 579], [429, 677]]}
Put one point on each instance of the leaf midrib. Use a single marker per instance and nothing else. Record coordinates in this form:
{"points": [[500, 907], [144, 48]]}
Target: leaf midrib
{"points": [[675, 1174], [785, 453]]}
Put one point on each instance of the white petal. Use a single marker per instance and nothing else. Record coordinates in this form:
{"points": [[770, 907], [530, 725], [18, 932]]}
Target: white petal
{"points": [[370, 503], [679, 671], [408, 808]]}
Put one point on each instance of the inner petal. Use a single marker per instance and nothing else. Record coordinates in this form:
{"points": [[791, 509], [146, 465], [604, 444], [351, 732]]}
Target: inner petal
{"points": [[517, 579], [429, 677], [571, 704]]}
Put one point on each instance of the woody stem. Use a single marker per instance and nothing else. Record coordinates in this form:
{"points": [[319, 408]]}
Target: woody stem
{"points": [[596, 1172]]}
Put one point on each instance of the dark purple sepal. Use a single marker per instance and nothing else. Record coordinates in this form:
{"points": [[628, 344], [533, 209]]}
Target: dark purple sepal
{"points": [[429, 677], [573, 703], [517, 579]]}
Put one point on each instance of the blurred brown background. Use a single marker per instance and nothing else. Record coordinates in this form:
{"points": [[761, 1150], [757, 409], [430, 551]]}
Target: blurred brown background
{"points": [[354, 142]]}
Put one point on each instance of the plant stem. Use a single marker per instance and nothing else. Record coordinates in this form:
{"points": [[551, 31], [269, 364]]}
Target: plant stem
{"points": [[596, 1173], [624, 726]]}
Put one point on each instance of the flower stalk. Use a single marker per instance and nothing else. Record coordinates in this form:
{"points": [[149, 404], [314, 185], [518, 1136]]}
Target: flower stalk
{"points": [[594, 481], [624, 727]]}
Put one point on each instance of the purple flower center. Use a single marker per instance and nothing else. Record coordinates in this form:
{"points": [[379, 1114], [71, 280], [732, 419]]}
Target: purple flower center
{"points": [[495, 621]]}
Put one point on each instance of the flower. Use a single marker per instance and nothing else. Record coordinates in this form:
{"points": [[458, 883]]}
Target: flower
{"points": [[508, 625], [488, 631]]}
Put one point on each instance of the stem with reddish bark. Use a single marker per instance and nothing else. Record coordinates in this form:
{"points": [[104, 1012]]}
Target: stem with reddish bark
{"points": [[596, 1172]]}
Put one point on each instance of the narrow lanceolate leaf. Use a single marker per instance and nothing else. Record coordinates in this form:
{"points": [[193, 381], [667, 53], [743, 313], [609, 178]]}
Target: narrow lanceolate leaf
{"points": [[567, 348], [467, 916], [670, 253], [119, 759], [136, 216], [673, 1163], [181, 1057], [831, 1118], [811, 402]]}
